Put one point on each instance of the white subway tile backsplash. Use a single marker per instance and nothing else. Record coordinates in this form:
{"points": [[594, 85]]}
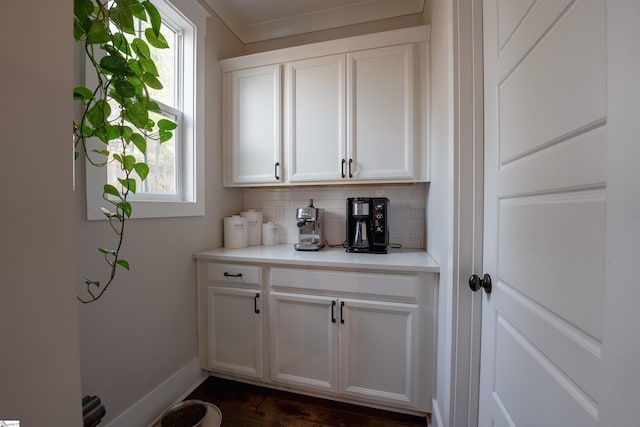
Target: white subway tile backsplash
{"points": [[407, 224]]}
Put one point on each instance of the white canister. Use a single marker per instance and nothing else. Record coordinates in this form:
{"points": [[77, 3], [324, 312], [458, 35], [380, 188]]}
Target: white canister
{"points": [[254, 232], [270, 234], [235, 232]]}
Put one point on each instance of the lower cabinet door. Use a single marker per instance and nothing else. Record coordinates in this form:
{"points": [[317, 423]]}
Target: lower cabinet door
{"points": [[235, 331], [379, 351], [304, 341]]}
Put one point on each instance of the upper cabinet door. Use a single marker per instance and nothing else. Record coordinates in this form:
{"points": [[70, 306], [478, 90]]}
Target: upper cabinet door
{"points": [[381, 132], [315, 119], [252, 125]]}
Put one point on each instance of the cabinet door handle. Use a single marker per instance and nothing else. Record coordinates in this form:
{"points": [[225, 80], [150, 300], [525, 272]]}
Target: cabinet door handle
{"points": [[333, 315], [342, 168], [341, 313], [232, 274], [275, 170], [255, 304], [350, 163]]}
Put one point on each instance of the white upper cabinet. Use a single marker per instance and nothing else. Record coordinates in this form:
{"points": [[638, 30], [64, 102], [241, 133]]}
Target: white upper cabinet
{"points": [[354, 110], [315, 118], [252, 126], [381, 114]]}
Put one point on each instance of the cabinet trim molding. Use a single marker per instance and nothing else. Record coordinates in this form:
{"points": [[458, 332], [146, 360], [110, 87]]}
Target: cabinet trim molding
{"points": [[416, 34]]}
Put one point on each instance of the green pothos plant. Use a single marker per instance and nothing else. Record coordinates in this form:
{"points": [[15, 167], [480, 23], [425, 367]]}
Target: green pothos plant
{"points": [[116, 111]]}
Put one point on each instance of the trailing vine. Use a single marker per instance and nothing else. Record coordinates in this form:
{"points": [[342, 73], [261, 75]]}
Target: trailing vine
{"points": [[116, 111]]}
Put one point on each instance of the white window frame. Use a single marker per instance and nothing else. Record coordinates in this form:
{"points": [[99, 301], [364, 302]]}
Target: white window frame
{"points": [[191, 128]]}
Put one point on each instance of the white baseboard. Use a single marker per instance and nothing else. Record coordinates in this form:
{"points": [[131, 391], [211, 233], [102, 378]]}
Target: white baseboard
{"points": [[436, 419], [147, 411]]}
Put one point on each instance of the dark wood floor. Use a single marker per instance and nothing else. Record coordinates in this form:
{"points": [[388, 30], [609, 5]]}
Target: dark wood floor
{"points": [[249, 405]]}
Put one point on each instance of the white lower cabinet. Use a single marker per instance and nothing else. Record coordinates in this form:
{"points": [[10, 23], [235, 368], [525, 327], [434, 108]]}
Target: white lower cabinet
{"points": [[378, 349], [360, 348], [350, 335], [235, 330], [231, 318]]}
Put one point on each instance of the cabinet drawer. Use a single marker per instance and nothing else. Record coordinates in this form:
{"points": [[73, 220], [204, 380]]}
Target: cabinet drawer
{"points": [[375, 284], [234, 273]]}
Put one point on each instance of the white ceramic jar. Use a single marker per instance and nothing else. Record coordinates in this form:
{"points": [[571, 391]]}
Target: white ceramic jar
{"points": [[270, 234], [254, 231], [235, 232]]}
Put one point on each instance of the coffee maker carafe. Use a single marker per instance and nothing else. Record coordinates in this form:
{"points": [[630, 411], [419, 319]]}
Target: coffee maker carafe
{"points": [[310, 234], [367, 224]]}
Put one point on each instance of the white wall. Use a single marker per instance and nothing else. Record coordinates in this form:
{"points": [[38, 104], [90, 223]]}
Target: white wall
{"points": [[621, 341], [439, 200], [39, 360], [144, 328]]}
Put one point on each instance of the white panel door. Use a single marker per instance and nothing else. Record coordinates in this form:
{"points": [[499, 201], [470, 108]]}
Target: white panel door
{"points": [[545, 200], [315, 119]]}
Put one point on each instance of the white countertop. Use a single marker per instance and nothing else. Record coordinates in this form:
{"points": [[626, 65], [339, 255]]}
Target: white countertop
{"points": [[406, 260]]}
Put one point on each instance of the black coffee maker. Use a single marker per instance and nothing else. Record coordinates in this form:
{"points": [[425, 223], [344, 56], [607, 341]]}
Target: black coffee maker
{"points": [[367, 224]]}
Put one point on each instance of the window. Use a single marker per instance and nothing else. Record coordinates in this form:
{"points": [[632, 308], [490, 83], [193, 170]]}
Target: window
{"points": [[175, 184]]}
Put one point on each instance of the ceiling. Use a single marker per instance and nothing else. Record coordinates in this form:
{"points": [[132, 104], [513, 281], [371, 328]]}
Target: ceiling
{"points": [[257, 20]]}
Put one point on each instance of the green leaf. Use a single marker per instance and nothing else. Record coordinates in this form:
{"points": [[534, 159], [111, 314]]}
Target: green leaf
{"points": [[99, 113], [111, 190], [113, 132], [78, 30], [106, 251], [128, 184], [97, 33], [122, 16], [101, 134], [149, 66], [121, 43], [125, 207], [137, 10], [105, 153], [164, 124], [129, 162], [158, 41], [116, 64], [127, 132], [84, 130], [136, 68], [82, 9], [154, 16], [152, 81], [152, 105], [95, 283], [165, 135], [124, 88], [141, 48], [142, 170], [140, 143], [82, 93], [137, 114], [123, 263]]}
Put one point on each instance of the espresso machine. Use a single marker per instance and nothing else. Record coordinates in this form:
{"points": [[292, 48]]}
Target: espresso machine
{"points": [[310, 235], [367, 224]]}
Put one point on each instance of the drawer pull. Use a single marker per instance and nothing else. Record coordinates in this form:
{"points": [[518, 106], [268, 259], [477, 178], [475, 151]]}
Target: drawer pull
{"points": [[232, 274], [333, 315], [255, 304]]}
